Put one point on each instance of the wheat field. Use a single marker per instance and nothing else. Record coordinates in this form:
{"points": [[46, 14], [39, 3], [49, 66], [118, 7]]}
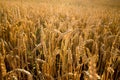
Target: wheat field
{"points": [[59, 40]]}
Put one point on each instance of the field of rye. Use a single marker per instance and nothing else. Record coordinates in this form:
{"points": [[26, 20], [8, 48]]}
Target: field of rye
{"points": [[48, 41]]}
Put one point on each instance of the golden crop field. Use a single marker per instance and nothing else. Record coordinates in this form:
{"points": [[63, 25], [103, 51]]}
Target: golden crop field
{"points": [[59, 40]]}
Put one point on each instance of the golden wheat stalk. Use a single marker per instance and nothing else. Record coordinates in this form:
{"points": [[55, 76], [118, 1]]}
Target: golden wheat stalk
{"points": [[22, 71]]}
